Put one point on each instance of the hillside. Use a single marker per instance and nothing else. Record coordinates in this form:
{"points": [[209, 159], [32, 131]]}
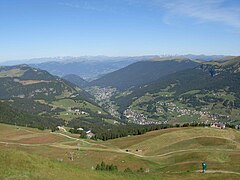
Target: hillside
{"points": [[181, 149], [37, 92], [75, 79], [169, 154], [23, 81], [143, 72], [10, 115], [209, 92]]}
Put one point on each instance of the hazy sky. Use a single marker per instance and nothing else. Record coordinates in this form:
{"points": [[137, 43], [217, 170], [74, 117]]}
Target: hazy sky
{"points": [[43, 28]]}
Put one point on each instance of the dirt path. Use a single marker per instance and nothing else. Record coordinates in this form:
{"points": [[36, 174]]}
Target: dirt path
{"points": [[109, 149], [219, 171], [196, 150], [78, 139], [21, 144], [73, 138], [63, 145], [174, 152]]}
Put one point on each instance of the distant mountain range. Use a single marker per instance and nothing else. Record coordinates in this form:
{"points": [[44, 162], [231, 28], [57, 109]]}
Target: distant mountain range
{"points": [[93, 67], [88, 70], [87, 67], [204, 57]]}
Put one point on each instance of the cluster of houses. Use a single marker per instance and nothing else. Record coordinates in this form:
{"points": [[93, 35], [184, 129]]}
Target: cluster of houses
{"points": [[89, 133], [77, 111], [138, 118], [222, 125], [219, 125], [103, 97], [102, 94], [111, 108], [135, 117], [171, 107]]}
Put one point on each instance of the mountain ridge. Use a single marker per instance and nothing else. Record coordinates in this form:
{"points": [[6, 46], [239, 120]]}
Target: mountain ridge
{"points": [[142, 72], [75, 79]]}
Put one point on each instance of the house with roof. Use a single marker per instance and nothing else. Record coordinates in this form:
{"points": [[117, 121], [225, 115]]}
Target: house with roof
{"points": [[218, 125]]}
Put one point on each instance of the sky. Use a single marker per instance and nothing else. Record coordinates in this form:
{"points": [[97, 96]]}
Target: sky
{"points": [[49, 28]]}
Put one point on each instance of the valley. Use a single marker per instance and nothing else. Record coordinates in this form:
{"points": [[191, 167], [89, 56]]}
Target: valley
{"points": [[119, 90], [206, 93], [164, 126]]}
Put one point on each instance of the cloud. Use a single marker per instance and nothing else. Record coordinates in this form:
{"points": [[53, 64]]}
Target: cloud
{"points": [[203, 10], [222, 11]]}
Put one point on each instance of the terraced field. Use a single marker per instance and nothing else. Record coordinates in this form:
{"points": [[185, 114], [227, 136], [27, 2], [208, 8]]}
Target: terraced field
{"points": [[170, 154]]}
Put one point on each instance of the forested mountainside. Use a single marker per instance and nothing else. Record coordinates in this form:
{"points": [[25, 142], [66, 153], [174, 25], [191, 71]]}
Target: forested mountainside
{"points": [[75, 79], [17, 117], [36, 92], [22, 81], [208, 92], [190, 91], [143, 72]]}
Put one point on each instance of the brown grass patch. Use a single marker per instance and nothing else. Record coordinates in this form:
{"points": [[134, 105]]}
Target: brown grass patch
{"points": [[28, 82], [42, 139]]}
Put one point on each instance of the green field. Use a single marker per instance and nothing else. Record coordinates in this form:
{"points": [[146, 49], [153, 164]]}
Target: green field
{"points": [[12, 73], [66, 103], [70, 103], [27, 153]]}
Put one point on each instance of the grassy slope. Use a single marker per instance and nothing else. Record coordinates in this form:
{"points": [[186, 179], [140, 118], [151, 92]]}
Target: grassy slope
{"points": [[27, 153], [15, 164], [70, 103], [184, 149]]}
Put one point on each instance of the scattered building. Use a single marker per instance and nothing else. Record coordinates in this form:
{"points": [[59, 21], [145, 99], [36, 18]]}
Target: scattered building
{"points": [[60, 128], [80, 129], [219, 125], [76, 110], [90, 134], [84, 113]]}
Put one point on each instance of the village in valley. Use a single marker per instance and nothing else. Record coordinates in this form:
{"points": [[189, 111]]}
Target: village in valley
{"points": [[103, 98], [169, 110], [135, 116]]}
